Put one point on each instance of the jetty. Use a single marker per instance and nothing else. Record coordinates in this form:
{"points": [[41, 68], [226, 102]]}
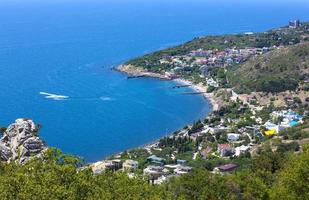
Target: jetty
{"points": [[193, 93], [181, 86], [136, 76]]}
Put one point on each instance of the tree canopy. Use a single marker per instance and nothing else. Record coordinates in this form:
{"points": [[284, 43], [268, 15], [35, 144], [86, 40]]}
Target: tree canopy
{"points": [[271, 175]]}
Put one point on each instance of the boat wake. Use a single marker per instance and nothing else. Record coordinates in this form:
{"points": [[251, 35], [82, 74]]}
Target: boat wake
{"points": [[56, 97]]}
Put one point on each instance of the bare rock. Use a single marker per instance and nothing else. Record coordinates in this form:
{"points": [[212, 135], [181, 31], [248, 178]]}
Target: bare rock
{"points": [[20, 142]]}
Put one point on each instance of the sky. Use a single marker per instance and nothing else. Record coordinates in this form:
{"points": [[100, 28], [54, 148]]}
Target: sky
{"points": [[159, 1]]}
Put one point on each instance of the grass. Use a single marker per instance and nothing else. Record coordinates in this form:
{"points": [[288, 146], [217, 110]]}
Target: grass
{"points": [[276, 71]]}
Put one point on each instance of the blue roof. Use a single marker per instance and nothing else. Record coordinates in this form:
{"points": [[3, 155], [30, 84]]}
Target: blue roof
{"points": [[293, 123], [155, 158]]}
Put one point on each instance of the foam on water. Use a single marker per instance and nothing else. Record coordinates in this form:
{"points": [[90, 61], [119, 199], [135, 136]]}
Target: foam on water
{"points": [[56, 97], [106, 99]]}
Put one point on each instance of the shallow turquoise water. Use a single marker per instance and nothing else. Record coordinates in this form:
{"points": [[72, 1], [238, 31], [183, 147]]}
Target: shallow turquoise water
{"points": [[68, 47]]}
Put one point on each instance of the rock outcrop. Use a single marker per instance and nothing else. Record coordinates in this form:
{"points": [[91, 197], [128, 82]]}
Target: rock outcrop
{"points": [[20, 142]]}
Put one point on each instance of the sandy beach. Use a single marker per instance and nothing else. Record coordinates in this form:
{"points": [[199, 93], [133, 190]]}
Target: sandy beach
{"points": [[200, 88]]}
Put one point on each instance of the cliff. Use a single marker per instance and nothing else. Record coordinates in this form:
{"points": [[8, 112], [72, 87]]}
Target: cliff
{"points": [[20, 142]]}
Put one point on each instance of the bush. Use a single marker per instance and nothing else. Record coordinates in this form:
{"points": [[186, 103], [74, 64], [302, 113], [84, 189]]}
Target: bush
{"points": [[293, 146]]}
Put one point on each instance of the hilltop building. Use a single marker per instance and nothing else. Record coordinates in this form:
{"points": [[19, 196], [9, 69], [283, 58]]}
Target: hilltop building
{"points": [[294, 24]]}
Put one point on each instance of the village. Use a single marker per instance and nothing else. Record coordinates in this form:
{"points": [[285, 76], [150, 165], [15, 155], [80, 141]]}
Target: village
{"points": [[227, 138], [207, 59], [221, 138]]}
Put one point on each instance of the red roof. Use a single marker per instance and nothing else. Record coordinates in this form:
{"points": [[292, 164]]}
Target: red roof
{"points": [[227, 167], [224, 146]]}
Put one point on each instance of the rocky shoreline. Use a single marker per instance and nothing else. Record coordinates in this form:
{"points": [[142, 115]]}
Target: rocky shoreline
{"points": [[139, 72]]}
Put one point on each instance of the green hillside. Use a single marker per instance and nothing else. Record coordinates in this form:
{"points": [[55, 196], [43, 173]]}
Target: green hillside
{"points": [[281, 36], [276, 71]]}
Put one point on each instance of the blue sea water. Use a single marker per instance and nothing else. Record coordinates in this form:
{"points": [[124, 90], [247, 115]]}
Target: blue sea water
{"points": [[68, 47]]}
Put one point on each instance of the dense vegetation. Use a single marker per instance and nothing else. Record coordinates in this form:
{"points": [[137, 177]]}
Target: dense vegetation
{"points": [[271, 175], [57, 176], [275, 71]]}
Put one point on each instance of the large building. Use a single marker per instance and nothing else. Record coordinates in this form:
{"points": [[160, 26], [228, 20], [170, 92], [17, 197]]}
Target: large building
{"points": [[130, 165], [294, 23]]}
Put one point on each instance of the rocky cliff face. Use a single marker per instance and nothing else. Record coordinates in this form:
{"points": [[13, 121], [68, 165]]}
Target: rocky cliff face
{"points": [[20, 142]]}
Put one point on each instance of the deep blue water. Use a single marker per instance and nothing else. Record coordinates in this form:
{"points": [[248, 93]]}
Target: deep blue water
{"points": [[68, 47]]}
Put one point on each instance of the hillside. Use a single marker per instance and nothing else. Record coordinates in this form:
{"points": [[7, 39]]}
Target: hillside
{"points": [[271, 61], [275, 37], [279, 70]]}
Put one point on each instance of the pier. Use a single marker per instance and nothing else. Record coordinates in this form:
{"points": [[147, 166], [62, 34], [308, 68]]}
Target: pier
{"points": [[193, 93], [181, 86], [135, 76]]}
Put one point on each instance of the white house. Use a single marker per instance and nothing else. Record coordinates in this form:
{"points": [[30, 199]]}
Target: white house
{"points": [[233, 136], [129, 165], [242, 149]]}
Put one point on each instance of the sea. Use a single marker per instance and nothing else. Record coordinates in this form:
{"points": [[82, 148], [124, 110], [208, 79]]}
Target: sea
{"points": [[68, 47]]}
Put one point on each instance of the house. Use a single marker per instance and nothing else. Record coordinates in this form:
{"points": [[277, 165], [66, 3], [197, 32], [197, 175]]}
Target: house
{"points": [[294, 24], [241, 150], [270, 132], [171, 166], [269, 125], [156, 160], [113, 164], [233, 136], [289, 100], [252, 100], [206, 152], [225, 150], [98, 167], [163, 179], [130, 165], [101, 166], [212, 83], [289, 119], [194, 136], [160, 180], [225, 168], [154, 171], [170, 75], [212, 130], [259, 120], [181, 162], [293, 116], [182, 170]]}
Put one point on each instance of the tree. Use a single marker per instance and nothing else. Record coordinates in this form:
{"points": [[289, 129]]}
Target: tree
{"points": [[293, 180]]}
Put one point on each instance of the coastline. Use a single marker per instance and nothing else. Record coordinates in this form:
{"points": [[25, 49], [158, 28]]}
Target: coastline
{"points": [[139, 72], [202, 89]]}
